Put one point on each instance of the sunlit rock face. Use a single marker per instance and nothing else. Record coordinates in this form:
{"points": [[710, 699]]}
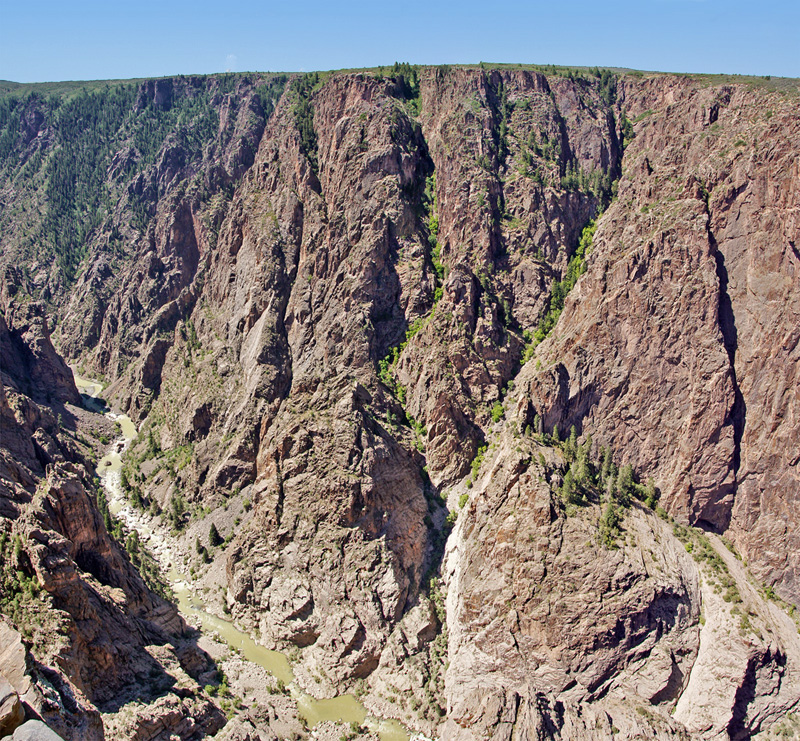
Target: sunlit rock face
{"points": [[320, 296]]}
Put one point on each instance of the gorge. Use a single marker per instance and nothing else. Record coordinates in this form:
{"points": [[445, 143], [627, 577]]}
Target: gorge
{"points": [[473, 391]]}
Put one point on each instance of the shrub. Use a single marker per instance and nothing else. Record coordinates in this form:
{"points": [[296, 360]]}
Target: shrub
{"points": [[497, 411], [478, 461]]}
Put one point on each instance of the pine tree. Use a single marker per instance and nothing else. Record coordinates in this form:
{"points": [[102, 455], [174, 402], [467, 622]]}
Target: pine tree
{"points": [[214, 538], [132, 543], [571, 445], [651, 495], [609, 524], [625, 485], [569, 490], [605, 466], [584, 470]]}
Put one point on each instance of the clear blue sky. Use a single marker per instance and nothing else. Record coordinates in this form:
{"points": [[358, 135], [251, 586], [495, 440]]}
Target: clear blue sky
{"points": [[88, 39]]}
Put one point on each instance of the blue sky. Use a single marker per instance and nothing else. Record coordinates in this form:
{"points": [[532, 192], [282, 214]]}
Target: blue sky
{"points": [[47, 40]]}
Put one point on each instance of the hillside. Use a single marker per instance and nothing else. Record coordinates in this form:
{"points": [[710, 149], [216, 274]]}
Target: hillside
{"points": [[486, 379]]}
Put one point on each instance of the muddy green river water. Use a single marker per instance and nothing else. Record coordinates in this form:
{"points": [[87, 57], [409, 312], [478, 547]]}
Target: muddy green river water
{"points": [[345, 708]]}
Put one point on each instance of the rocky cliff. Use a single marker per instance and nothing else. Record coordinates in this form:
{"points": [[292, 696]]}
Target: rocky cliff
{"points": [[324, 296], [83, 633]]}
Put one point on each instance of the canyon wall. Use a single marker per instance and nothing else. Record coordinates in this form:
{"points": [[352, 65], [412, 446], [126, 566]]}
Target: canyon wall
{"points": [[322, 293]]}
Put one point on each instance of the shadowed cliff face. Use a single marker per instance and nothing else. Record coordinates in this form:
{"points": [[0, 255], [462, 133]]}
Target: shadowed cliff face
{"points": [[500, 144], [321, 300]]}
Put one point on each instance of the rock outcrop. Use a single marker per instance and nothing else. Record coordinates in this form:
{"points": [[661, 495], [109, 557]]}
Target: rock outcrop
{"points": [[324, 296], [30, 362], [66, 584], [35, 730], [554, 632], [11, 713], [688, 306]]}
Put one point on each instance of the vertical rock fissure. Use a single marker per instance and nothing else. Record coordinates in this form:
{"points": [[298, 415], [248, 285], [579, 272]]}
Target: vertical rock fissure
{"points": [[793, 248], [727, 325], [279, 504], [740, 724]]}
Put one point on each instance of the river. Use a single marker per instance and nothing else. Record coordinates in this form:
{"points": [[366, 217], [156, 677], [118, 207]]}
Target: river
{"points": [[344, 708]]}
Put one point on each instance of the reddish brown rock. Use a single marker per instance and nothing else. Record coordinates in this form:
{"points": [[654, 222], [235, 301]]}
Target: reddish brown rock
{"points": [[272, 307], [30, 362], [689, 306], [66, 583]]}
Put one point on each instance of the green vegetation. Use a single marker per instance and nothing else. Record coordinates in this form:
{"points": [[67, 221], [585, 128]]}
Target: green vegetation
{"points": [[430, 205], [191, 121], [214, 538], [86, 130], [497, 411], [698, 544], [100, 136], [177, 511], [386, 367], [588, 480], [176, 459], [132, 491], [202, 551], [269, 93], [89, 128], [788, 727], [407, 80], [597, 183], [19, 591], [784, 85], [434, 687], [607, 85], [147, 566], [505, 109], [575, 268], [628, 133], [303, 87], [113, 526], [477, 461]]}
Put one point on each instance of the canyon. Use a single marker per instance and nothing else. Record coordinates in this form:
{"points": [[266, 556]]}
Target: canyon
{"points": [[471, 390]]}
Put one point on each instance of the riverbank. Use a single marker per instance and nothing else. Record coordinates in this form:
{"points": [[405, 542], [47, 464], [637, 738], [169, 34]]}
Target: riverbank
{"points": [[254, 673]]}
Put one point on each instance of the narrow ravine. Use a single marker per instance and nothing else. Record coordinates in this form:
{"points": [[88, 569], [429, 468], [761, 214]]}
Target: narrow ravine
{"points": [[344, 708]]}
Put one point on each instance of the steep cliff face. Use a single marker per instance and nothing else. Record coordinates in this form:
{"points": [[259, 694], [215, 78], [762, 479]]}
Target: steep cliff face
{"points": [[321, 297], [86, 616], [325, 261], [557, 630], [688, 313], [507, 219]]}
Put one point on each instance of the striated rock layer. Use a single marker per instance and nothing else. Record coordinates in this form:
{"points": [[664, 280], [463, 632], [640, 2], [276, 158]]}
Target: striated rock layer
{"points": [[317, 294]]}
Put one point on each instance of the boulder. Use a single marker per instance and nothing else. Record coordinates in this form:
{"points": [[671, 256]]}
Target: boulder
{"points": [[35, 730], [11, 713]]}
